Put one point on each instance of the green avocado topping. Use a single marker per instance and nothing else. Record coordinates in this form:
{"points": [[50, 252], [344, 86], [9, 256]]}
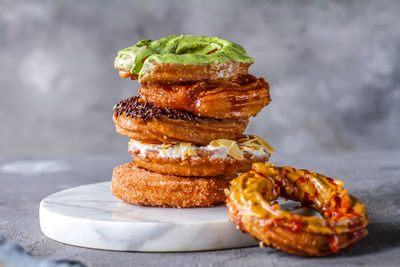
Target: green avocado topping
{"points": [[183, 49]]}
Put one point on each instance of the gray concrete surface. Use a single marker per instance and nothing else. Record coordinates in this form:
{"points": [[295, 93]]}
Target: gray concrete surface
{"points": [[333, 66], [371, 176]]}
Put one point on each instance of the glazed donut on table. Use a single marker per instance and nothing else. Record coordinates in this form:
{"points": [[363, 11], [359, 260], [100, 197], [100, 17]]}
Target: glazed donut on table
{"points": [[182, 58], [145, 122], [251, 206], [220, 157], [142, 187], [242, 97]]}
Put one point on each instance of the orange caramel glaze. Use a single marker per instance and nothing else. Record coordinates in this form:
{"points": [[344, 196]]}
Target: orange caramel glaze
{"points": [[241, 97]]}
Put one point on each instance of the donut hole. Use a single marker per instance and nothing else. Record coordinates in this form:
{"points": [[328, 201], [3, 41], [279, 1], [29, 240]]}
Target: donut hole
{"points": [[296, 208]]}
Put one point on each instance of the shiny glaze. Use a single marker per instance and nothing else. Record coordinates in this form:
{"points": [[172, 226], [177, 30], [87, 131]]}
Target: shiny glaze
{"points": [[254, 194], [241, 97]]}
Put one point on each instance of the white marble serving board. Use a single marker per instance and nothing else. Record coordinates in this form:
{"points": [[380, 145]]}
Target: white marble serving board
{"points": [[89, 216]]}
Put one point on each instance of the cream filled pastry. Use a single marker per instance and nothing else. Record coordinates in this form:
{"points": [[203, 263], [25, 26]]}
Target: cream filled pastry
{"points": [[182, 58], [219, 157]]}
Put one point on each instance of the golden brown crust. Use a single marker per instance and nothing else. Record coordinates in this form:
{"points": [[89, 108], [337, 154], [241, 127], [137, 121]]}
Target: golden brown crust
{"points": [[173, 73], [343, 224], [141, 187], [165, 130], [241, 97], [126, 74], [293, 242], [203, 164]]}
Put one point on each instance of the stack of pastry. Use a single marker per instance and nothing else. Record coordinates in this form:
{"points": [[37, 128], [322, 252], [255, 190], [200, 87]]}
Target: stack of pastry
{"points": [[186, 126]]}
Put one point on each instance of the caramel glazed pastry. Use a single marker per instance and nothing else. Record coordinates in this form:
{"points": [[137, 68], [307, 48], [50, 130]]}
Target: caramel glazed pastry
{"points": [[207, 76], [186, 126], [252, 206]]}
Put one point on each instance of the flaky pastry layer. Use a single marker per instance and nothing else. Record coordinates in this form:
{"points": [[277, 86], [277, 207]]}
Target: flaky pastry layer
{"points": [[241, 97], [166, 130], [169, 73], [139, 186]]}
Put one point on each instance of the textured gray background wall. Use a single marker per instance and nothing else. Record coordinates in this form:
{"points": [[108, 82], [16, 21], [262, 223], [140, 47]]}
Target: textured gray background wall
{"points": [[333, 67]]}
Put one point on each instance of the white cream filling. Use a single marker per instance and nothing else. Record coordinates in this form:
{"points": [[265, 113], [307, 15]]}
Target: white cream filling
{"points": [[220, 152], [178, 151], [128, 58], [256, 152], [125, 62]]}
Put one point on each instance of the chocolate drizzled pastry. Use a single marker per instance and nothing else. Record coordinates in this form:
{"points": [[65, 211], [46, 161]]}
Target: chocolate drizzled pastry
{"points": [[134, 107]]}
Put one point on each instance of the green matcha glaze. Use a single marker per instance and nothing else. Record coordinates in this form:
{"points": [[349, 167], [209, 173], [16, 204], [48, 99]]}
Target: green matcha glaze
{"points": [[183, 49]]}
